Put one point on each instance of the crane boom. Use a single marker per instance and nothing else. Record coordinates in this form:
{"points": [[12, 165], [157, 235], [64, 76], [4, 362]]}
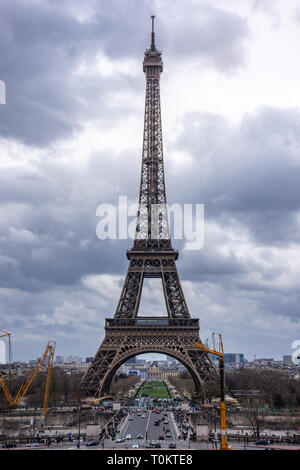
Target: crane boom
{"points": [[49, 351], [24, 387], [7, 394], [48, 378], [97, 400], [220, 354]]}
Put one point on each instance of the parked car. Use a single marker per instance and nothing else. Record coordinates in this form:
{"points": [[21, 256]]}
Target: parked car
{"points": [[92, 443], [261, 442], [8, 445]]}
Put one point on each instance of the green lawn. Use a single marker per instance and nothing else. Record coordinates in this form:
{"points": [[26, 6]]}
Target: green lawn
{"points": [[154, 389]]}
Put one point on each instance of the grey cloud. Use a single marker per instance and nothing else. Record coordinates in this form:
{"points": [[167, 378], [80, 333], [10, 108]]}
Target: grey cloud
{"points": [[212, 36], [246, 175], [250, 172], [48, 220], [42, 45]]}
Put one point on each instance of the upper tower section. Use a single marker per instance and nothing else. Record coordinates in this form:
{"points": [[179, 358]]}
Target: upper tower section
{"points": [[152, 64], [152, 229]]}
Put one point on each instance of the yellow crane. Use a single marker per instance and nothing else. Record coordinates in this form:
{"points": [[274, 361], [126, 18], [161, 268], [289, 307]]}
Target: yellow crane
{"points": [[97, 400], [6, 391], [49, 351], [220, 354]]}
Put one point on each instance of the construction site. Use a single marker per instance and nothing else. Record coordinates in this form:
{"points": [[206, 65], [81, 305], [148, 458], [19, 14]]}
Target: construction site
{"points": [[76, 421]]}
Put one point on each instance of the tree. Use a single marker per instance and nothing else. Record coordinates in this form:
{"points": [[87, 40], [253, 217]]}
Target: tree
{"points": [[278, 401]]}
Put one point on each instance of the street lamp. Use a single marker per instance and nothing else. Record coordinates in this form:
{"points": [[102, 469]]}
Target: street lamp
{"points": [[78, 445]]}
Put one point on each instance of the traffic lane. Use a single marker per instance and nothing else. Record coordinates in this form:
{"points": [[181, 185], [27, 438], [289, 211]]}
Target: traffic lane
{"points": [[149, 431], [155, 431], [137, 425]]}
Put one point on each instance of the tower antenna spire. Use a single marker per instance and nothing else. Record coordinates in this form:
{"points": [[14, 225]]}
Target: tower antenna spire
{"points": [[152, 34]]}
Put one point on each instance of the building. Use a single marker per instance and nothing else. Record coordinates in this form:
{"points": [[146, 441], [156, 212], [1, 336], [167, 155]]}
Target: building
{"points": [[234, 359], [132, 360], [287, 359], [166, 374], [154, 373], [75, 359], [59, 359], [139, 372], [264, 362], [171, 359]]}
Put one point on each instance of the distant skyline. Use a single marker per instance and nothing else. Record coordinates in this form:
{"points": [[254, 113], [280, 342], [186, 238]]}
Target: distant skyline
{"points": [[71, 139]]}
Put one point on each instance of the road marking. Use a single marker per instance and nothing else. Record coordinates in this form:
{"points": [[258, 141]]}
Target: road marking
{"points": [[146, 432], [126, 428], [171, 420]]}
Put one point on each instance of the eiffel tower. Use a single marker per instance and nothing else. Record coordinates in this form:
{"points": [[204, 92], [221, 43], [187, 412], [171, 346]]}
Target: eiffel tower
{"points": [[152, 256]]}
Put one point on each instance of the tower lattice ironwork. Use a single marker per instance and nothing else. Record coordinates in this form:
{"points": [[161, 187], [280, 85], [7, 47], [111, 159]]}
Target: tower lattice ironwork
{"points": [[152, 256]]}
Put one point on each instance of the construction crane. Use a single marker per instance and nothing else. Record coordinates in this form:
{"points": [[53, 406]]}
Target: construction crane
{"points": [[97, 400], [6, 333], [6, 391], [220, 354], [49, 351]]}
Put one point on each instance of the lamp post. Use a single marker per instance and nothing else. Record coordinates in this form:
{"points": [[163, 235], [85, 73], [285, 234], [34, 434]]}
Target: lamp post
{"points": [[79, 418]]}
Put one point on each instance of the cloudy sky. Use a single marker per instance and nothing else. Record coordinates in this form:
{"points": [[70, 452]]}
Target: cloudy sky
{"points": [[71, 138]]}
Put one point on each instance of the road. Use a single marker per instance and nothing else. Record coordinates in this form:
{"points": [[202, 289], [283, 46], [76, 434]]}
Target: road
{"points": [[145, 426]]}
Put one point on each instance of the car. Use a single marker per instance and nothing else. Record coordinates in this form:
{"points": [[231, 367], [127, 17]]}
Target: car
{"points": [[8, 445], [92, 443], [139, 436], [143, 416], [172, 445], [33, 444], [261, 442], [120, 439], [128, 437], [157, 445], [135, 445], [149, 446], [130, 418], [156, 423]]}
